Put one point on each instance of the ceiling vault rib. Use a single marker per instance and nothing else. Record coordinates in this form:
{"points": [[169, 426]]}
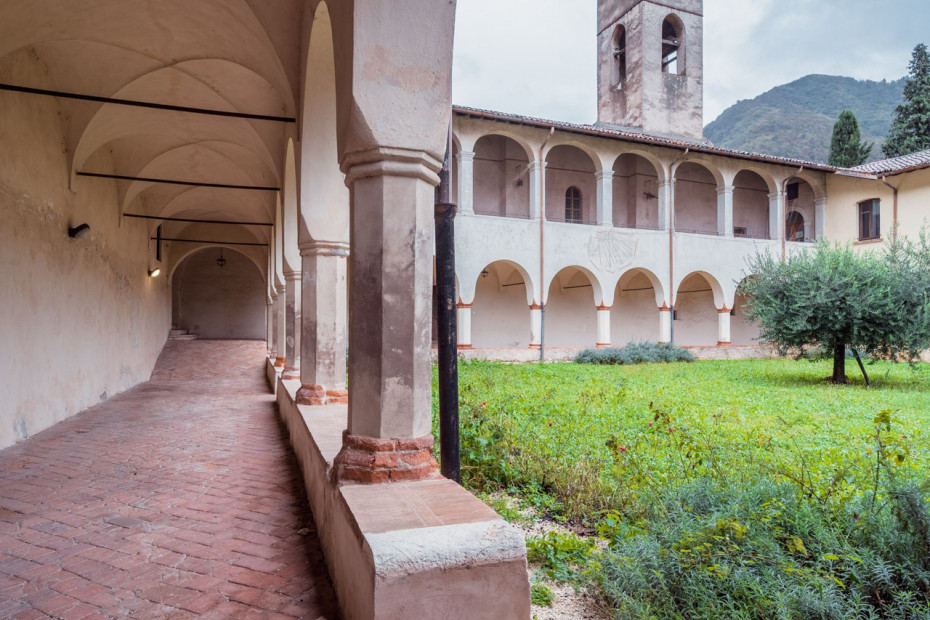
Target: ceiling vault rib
{"points": [[145, 104], [122, 177], [184, 219], [208, 241]]}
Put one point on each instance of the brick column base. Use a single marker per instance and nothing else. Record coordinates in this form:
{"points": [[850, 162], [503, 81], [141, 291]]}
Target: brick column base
{"points": [[290, 373], [279, 362], [319, 395], [367, 460]]}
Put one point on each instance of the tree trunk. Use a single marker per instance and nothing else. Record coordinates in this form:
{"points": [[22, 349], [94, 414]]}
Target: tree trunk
{"points": [[839, 363]]}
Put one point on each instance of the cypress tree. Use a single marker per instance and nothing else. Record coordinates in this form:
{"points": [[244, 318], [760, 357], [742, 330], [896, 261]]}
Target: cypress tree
{"points": [[910, 128], [846, 146]]}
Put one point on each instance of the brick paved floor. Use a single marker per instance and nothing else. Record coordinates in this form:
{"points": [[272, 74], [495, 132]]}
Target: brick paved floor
{"points": [[177, 499]]}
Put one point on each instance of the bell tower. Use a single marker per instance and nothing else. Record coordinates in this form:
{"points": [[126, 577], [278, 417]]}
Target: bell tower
{"points": [[650, 74]]}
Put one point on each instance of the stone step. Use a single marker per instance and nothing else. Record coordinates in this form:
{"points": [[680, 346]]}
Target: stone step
{"points": [[184, 337], [177, 332]]}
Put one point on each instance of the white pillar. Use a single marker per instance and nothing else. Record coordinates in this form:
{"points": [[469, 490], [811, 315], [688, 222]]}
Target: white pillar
{"points": [[536, 196], [269, 326], [775, 216], [665, 204], [466, 182], [603, 326], [820, 216], [535, 326], [723, 326], [280, 326], [605, 197], [725, 211], [665, 324], [292, 325], [324, 308], [463, 316]]}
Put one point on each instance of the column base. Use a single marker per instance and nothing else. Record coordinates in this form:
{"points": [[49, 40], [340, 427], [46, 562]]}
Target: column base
{"points": [[368, 460], [279, 362], [291, 374], [319, 395], [602, 345], [723, 343], [464, 346], [535, 346]]}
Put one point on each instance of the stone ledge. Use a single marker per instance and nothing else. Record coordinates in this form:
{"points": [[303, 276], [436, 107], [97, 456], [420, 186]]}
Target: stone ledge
{"points": [[392, 548], [271, 374]]}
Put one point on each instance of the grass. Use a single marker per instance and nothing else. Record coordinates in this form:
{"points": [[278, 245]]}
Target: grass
{"points": [[748, 488]]}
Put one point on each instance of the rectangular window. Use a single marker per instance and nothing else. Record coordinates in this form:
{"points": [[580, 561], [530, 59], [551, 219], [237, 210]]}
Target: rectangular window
{"points": [[870, 219]]}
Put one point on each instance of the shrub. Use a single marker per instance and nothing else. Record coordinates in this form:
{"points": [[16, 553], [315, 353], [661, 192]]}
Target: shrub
{"points": [[635, 353]]}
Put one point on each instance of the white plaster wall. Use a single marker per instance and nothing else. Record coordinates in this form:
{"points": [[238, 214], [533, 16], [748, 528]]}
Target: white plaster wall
{"points": [[214, 302], [81, 319], [634, 316], [571, 314], [500, 316], [696, 324]]}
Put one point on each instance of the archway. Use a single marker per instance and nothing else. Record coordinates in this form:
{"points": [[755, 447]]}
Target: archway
{"points": [[635, 193], [695, 199], [695, 315], [500, 314], [501, 179], [218, 292], [571, 315], [569, 167], [799, 211], [750, 206], [634, 316]]}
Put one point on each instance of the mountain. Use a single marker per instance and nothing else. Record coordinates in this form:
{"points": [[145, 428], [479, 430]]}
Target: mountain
{"points": [[796, 120]]}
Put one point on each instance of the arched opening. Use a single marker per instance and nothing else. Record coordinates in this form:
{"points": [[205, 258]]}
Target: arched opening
{"points": [[741, 330], [634, 316], [502, 186], [568, 166], [695, 199], [799, 209], [635, 193], [750, 206], [571, 316], [620, 54], [672, 46], [500, 315], [695, 314], [218, 292]]}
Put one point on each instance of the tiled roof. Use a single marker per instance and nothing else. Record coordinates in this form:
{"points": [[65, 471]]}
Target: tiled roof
{"points": [[592, 130], [897, 165]]}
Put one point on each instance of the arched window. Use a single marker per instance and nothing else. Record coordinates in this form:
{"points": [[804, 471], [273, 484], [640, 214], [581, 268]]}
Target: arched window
{"points": [[573, 204], [620, 54], [671, 44], [869, 219], [794, 227]]}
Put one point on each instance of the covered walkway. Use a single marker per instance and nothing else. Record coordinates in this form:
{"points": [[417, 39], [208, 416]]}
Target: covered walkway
{"points": [[179, 498]]}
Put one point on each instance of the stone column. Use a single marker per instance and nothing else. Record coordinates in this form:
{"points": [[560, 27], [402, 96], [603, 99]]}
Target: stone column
{"points": [[389, 436], [723, 326], [463, 316], [605, 197], [323, 323], [292, 325], [820, 216], [536, 196], [280, 327], [665, 204], [466, 182], [269, 327], [725, 211], [665, 324], [775, 216], [603, 327], [535, 326]]}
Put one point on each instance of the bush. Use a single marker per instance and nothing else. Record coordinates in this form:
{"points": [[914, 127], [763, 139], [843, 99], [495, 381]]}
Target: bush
{"points": [[635, 353]]}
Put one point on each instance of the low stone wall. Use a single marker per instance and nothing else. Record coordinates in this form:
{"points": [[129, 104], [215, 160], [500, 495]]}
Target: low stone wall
{"points": [[565, 354], [425, 549]]}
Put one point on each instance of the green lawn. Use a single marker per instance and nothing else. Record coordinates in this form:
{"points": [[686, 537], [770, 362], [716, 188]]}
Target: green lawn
{"points": [[690, 458]]}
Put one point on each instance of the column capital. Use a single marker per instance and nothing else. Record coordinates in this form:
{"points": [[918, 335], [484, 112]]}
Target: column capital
{"points": [[290, 276], [774, 195], [724, 189], [389, 161], [604, 175], [323, 248], [463, 156]]}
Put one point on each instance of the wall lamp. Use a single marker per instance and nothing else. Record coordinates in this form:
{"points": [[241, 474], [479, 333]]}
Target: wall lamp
{"points": [[153, 273], [79, 232]]}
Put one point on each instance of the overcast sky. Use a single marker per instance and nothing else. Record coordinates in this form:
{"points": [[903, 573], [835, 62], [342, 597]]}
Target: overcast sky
{"points": [[537, 57]]}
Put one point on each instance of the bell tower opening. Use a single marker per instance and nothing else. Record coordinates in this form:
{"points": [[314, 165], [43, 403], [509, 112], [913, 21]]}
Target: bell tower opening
{"points": [[650, 67]]}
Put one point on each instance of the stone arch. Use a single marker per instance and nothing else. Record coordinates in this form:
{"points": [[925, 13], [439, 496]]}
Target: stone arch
{"points": [[695, 208], [750, 205], [501, 177], [571, 310], [673, 56], [636, 192], [569, 165], [324, 197], [800, 197], [620, 55], [698, 297], [500, 314], [634, 316], [219, 302]]}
